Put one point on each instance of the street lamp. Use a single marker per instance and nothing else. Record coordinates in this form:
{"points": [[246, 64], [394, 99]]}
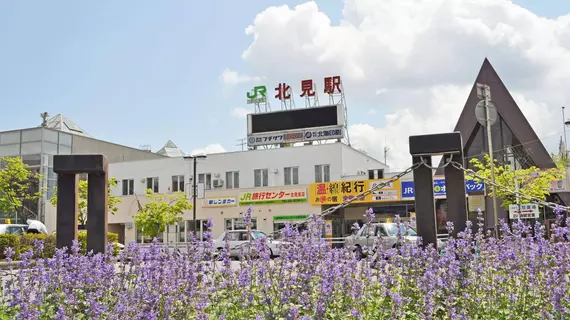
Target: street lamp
{"points": [[194, 195]]}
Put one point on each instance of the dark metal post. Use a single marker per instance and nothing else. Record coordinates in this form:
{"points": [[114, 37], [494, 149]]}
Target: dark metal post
{"points": [[67, 208], [97, 209], [194, 196], [425, 203], [455, 189]]}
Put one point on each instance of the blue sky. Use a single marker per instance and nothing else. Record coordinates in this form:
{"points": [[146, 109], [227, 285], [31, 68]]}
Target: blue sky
{"points": [[138, 72]]}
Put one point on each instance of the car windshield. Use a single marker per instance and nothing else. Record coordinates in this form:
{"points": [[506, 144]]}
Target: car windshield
{"points": [[259, 235], [392, 230]]}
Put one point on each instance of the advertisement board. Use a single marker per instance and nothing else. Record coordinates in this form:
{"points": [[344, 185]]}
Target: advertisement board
{"points": [[340, 191], [219, 202], [439, 189], [295, 125], [272, 196], [390, 192]]}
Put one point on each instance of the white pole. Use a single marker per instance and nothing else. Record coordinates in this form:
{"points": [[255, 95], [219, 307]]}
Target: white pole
{"points": [[565, 141], [490, 143]]}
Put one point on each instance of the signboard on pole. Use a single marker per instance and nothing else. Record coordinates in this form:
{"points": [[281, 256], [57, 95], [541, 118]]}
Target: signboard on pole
{"points": [[524, 211]]}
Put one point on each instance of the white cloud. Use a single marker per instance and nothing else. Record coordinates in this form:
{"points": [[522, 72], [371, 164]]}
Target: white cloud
{"points": [[241, 113], [209, 149], [233, 78], [424, 56]]}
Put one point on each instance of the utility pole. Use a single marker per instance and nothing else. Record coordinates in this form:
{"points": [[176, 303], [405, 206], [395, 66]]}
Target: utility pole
{"points": [[386, 149], [565, 155], [487, 95], [194, 189]]}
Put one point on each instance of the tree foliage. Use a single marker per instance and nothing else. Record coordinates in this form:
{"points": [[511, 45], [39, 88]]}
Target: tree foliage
{"points": [[533, 181], [159, 212], [19, 189], [82, 214]]}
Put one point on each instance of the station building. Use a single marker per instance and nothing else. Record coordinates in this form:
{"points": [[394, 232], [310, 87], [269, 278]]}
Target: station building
{"points": [[275, 181]]}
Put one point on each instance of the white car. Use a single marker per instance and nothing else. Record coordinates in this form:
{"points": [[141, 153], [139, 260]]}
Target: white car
{"points": [[388, 232], [13, 228], [240, 242]]}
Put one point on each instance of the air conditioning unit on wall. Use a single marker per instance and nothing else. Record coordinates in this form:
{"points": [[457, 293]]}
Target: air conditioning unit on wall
{"points": [[218, 183]]}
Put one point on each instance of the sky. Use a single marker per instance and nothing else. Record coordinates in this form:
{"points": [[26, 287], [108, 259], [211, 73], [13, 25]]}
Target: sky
{"points": [[143, 72]]}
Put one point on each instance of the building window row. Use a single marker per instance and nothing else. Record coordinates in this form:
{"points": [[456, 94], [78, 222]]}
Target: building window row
{"points": [[260, 179]]}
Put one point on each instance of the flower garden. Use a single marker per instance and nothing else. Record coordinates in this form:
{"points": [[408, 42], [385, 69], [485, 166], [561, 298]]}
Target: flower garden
{"points": [[520, 276]]}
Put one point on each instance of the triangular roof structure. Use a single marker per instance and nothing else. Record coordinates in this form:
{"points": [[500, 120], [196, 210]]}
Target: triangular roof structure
{"points": [[524, 142], [63, 123], [170, 149]]}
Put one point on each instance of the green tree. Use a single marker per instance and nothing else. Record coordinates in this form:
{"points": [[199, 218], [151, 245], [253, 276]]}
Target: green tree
{"points": [[533, 181], [159, 212], [19, 189], [82, 214]]}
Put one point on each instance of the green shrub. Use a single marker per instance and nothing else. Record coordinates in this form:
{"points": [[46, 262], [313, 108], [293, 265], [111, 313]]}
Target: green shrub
{"points": [[10, 241], [82, 238], [27, 242]]}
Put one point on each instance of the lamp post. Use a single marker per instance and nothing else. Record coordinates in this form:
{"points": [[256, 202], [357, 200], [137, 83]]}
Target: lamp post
{"points": [[194, 188]]}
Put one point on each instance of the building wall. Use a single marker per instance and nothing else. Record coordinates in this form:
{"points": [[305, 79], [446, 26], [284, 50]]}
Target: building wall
{"points": [[354, 161], [275, 160], [113, 152], [264, 213]]}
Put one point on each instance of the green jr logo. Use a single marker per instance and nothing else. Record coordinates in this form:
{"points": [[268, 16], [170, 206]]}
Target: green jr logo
{"points": [[258, 95]]}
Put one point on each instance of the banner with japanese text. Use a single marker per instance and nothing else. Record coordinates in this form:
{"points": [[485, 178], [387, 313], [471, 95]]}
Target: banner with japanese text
{"points": [[390, 191], [273, 196], [337, 192], [219, 202]]}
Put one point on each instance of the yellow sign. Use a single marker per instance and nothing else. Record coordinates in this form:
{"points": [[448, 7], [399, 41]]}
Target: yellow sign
{"points": [[339, 191], [336, 192], [390, 192]]}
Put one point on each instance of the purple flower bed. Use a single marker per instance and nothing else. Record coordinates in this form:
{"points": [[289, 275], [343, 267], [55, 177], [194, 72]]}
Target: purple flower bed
{"points": [[520, 276]]}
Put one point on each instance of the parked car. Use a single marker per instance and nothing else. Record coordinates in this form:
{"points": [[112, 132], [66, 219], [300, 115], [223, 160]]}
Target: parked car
{"points": [[13, 228], [240, 240], [368, 235]]}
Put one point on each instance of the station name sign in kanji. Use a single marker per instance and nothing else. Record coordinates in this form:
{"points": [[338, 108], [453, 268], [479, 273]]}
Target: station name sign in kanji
{"points": [[284, 91], [272, 196]]}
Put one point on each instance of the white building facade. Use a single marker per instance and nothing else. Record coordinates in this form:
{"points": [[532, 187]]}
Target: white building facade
{"points": [[275, 181]]}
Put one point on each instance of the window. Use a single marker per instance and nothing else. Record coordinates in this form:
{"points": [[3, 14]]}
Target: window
{"points": [[239, 224], [128, 187], [376, 174], [177, 183], [260, 177], [142, 239], [206, 179], [291, 175], [152, 183], [232, 179], [323, 173]]}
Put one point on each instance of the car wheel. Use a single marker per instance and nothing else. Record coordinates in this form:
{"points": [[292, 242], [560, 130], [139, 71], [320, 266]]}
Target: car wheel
{"points": [[358, 252], [219, 254]]}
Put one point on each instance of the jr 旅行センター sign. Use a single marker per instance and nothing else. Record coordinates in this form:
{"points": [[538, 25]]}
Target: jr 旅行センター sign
{"points": [[273, 196]]}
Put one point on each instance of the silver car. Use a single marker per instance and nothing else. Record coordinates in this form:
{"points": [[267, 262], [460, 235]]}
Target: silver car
{"points": [[365, 239], [240, 240]]}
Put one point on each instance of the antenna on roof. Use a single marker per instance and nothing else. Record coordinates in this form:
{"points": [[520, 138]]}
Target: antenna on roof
{"points": [[241, 143], [44, 116], [386, 149]]}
